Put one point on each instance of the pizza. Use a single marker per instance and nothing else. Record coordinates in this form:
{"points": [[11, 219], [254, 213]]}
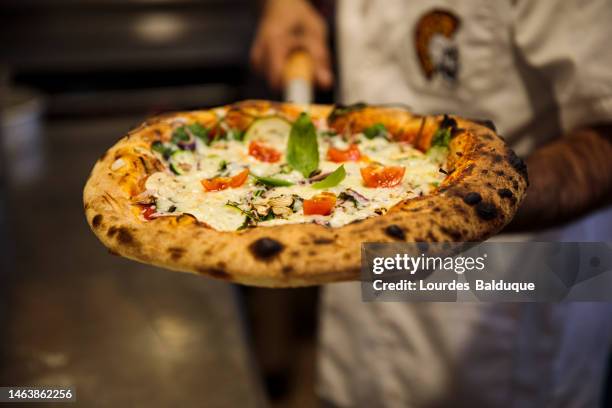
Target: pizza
{"points": [[273, 194]]}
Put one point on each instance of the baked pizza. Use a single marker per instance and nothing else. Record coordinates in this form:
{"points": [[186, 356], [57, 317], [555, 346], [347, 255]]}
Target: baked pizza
{"points": [[274, 194]]}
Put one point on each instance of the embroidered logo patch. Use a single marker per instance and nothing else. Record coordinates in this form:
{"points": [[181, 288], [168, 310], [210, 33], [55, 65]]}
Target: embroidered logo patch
{"points": [[435, 45]]}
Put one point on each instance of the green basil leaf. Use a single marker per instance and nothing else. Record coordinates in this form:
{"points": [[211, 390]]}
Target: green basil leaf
{"points": [[302, 148], [375, 130], [237, 135], [198, 131], [272, 182], [222, 165], [441, 138], [160, 148], [332, 180], [180, 135], [446, 130]]}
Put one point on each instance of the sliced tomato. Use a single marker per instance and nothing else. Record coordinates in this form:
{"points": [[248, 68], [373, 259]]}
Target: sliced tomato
{"points": [[381, 176], [148, 211], [321, 204], [340, 155], [222, 183], [264, 153]]}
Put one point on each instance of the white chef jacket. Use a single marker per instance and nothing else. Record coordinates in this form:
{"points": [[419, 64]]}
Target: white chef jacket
{"points": [[537, 68]]}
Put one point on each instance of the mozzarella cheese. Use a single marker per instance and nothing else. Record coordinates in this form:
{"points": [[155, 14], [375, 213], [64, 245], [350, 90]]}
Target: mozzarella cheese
{"points": [[175, 194]]}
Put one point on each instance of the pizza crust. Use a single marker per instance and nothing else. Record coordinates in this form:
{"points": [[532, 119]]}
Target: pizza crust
{"points": [[483, 191]]}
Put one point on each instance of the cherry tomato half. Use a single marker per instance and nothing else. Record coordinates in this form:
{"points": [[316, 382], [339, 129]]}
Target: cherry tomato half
{"points": [[321, 204], [222, 183], [339, 155], [263, 153], [380, 176]]}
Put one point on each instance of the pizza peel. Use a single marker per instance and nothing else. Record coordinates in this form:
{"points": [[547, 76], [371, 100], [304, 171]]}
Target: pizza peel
{"points": [[298, 78]]}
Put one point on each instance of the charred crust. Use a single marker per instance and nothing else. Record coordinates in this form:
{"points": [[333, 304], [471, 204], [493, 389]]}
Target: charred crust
{"points": [[486, 123], [287, 269], [460, 209], [472, 198], [322, 241], [486, 211], [505, 193], [96, 220], [395, 232], [176, 253], [518, 164], [341, 110], [266, 248], [144, 164], [455, 235], [124, 236], [431, 237], [467, 170], [103, 156], [218, 273]]}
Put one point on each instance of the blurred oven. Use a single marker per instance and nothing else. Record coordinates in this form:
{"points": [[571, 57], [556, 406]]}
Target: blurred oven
{"points": [[128, 56]]}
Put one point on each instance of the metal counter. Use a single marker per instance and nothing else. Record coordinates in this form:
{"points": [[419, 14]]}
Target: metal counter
{"points": [[121, 333]]}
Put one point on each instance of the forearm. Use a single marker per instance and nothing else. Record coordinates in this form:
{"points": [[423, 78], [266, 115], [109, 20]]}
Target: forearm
{"points": [[568, 177]]}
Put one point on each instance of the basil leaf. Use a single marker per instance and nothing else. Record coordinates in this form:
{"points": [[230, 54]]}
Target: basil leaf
{"points": [[179, 135], [441, 138], [332, 180], [237, 135], [273, 182], [198, 131], [160, 148], [375, 130], [222, 165], [302, 148], [446, 130]]}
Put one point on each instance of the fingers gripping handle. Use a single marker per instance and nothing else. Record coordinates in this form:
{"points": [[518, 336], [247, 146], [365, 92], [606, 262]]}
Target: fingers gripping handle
{"points": [[298, 78]]}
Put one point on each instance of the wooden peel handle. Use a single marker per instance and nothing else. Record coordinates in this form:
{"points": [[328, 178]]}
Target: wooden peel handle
{"points": [[299, 65], [298, 75]]}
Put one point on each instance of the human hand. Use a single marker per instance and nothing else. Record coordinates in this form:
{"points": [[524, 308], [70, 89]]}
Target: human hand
{"points": [[286, 26]]}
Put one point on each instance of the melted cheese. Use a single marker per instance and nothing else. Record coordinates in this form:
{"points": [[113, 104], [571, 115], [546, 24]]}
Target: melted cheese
{"points": [[185, 194]]}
